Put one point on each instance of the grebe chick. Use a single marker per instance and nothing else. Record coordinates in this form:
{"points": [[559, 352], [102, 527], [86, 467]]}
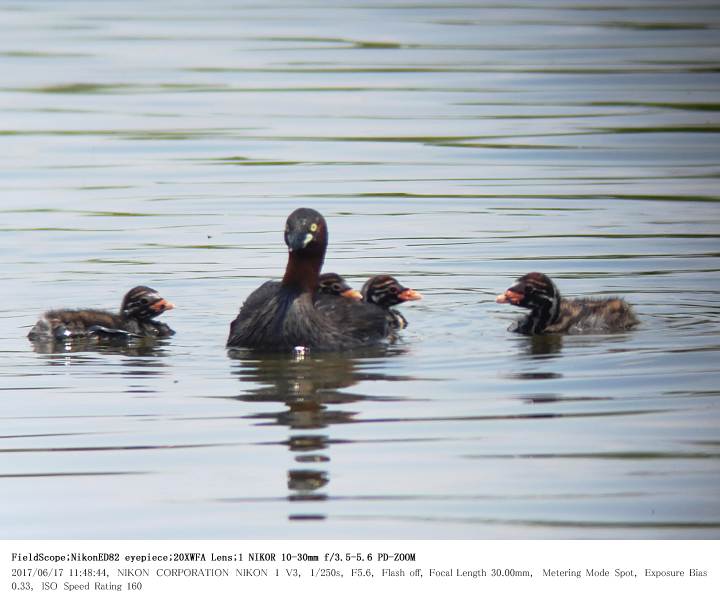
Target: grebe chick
{"points": [[385, 291], [334, 285], [138, 310], [551, 313]]}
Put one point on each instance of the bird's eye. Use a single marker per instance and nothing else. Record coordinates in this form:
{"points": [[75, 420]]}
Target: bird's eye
{"points": [[336, 287], [313, 227], [144, 301], [393, 289]]}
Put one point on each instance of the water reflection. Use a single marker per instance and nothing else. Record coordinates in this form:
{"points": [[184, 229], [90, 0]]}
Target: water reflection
{"points": [[439, 151], [534, 375], [544, 399], [543, 345], [302, 484], [131, 347], [139, 359], [311, 388]]}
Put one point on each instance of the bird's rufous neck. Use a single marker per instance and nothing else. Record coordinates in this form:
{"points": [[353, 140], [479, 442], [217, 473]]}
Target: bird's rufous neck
{"points": [[303, 271]]}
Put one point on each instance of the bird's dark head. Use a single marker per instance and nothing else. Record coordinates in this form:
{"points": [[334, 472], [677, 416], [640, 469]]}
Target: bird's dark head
{"points": [[534, 290], [335, 285], [385, 291], [144, 303], [306, 230]]}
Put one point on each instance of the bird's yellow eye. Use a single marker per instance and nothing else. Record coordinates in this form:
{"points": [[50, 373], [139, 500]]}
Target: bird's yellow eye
{"points": [[313, 227]]}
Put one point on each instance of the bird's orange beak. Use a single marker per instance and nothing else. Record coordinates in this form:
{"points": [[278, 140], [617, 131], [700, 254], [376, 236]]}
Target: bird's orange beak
{"points": [[353, 294], [408, 294], [162, 305], [509, 297]]}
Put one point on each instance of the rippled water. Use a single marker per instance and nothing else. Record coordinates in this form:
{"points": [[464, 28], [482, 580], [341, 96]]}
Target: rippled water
{"points": [[455, 145]]}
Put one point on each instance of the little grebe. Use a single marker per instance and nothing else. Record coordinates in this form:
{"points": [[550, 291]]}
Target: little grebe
{"points": [[385, 291], [333, 293], [334, 285], [550, 313], [283, 315], [137, 311]]}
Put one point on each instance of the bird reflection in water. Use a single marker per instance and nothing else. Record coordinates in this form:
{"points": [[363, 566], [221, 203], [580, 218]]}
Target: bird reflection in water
{"points": [[140, 358], [132, 347], [303, 484], [542, 345], [312, 387], [551, 345]]}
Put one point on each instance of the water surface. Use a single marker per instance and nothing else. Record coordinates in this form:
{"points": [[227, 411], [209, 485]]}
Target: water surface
{"points": [[454, 145]]}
